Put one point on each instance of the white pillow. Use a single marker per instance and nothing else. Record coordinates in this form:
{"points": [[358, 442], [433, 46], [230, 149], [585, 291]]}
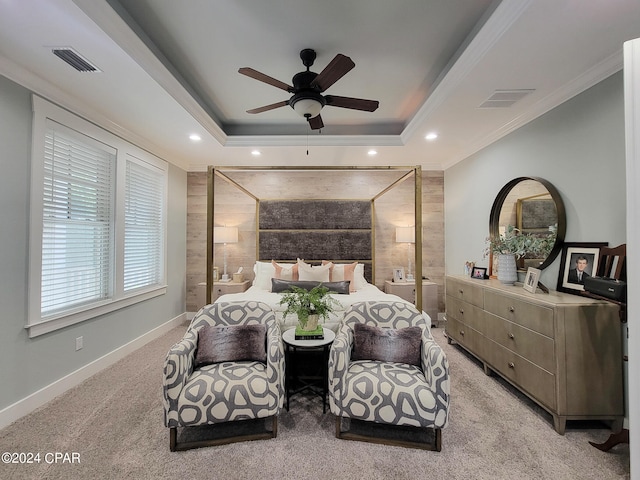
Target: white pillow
{"points": [[358, 276], [317, 273], [264, 272]]}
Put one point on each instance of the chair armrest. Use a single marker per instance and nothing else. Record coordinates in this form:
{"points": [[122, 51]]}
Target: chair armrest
{"points": [[275, 365], [178, 366], [339, 359], [436, 369]]}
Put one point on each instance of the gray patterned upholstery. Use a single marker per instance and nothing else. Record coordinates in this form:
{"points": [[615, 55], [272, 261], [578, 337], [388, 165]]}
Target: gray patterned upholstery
{"points": [[225, 391], [385, 392]]}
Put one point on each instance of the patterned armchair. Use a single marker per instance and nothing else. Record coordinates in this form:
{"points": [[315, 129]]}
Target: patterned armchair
{"points": [[389, 392], [225, 391]]}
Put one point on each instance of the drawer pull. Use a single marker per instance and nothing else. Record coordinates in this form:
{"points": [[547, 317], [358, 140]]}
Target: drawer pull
{"points": [[462, 311], [462, 332], [512, 365], [461, 291], [511, 336], [512, 309]]}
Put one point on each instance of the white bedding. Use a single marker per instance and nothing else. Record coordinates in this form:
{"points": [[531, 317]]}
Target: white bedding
{"points": [[367, 293]]}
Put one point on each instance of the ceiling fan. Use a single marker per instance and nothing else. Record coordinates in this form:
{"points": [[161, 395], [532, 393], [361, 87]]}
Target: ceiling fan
{"points": [[308, 87]]}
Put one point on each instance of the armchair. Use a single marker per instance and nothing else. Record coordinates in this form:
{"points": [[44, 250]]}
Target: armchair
{"points": [[197, 393], [415, 396]]}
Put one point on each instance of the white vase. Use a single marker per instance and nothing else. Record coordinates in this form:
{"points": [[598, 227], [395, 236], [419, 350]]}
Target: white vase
{"points": [[312, 323], [507, 271]]}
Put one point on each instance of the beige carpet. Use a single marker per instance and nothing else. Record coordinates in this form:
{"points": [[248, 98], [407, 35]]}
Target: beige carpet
{"points": [[113, 421]]}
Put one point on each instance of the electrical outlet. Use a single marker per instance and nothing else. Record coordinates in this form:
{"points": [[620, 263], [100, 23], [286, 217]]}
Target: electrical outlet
{"points": [[79, 343]]}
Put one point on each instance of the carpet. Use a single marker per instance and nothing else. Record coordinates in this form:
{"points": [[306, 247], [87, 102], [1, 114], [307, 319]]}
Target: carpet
{"points": [[113, 423]]}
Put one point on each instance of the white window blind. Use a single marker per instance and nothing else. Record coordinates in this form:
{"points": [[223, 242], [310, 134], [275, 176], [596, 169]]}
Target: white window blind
{"points": [[144, 225], [77, 220]]}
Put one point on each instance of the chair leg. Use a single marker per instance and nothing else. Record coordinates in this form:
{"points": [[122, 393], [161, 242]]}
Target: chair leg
{"points": [[173, 436], [274, 426], [338, 426], [437, 441]]}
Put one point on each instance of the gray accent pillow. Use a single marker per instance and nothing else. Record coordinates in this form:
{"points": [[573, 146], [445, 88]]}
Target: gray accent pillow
{"points": [[231, 343], [386, 344], [279, 286]]}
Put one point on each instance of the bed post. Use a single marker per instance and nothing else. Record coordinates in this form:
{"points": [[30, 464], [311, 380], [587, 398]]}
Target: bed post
{"points": [[210, 217], [418, 235]]}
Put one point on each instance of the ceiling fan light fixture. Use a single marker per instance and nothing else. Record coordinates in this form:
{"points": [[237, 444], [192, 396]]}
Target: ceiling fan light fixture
{"points": [[307, 107]]}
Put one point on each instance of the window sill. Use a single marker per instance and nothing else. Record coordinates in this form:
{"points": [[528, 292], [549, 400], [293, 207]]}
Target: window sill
{"points": [[46, 326]]}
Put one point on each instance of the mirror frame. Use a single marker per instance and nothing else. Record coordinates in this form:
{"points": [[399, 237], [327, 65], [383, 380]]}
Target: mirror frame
{"points": [[494, 217]]}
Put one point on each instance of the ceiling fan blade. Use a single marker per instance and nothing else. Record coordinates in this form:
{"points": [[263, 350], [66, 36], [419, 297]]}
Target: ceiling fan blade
{"points": [[250, 72], [333, 72], [269, 107], [352, 103], [316, 122]]}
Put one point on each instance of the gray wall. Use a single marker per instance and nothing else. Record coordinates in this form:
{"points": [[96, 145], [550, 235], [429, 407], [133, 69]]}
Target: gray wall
{"points": [[30, 364], [578, 147]]}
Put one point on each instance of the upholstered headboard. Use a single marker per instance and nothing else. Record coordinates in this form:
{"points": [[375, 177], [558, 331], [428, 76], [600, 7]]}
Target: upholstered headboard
{"points": [[315, 230]]}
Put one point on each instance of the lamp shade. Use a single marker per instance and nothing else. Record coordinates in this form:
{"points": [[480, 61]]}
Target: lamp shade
{"points": [[405, 234], [225, 234]]}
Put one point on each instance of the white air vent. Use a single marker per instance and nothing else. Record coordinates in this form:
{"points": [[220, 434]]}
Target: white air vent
{"points": [[505, 98], [74, 59]]}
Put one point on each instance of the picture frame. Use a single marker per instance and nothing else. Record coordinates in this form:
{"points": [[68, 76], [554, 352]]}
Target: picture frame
{"points": [[479, 273], [398, 274], [571, 254], [531, 279], [216, 274]]}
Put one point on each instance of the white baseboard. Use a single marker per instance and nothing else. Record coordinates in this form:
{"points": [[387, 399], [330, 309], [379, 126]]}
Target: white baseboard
{"points": [[28, 404]]}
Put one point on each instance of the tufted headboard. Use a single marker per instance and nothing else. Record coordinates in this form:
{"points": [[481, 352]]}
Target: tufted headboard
{"points": [[314, 230]]}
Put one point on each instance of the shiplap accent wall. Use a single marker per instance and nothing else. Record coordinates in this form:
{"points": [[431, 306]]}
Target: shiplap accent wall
{"points": [[393, 209]]}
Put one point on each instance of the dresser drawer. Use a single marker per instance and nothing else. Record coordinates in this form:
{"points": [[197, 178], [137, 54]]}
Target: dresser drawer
{"points": [[535, 317], [466, 313], [465, 336], [538, 349], [472, 294], [534, 380]]}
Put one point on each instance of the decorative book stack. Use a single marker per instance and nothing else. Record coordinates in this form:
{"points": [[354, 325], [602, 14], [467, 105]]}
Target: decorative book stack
{"points": [[317, 334]]}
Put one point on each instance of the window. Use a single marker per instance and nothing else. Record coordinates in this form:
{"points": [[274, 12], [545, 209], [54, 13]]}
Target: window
{"points": [[143, 226], [98, 230]]}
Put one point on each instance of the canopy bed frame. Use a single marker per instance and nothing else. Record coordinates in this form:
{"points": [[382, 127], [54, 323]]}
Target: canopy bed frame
{"points": [[339, 230]]}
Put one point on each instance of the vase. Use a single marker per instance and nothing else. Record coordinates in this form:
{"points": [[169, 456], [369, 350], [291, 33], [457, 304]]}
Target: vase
{"points": [[507, 272], [312, 323]]}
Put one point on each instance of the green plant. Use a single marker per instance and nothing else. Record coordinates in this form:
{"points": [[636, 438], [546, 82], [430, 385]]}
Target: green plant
{"points": [[513, 242], [308, 302]]}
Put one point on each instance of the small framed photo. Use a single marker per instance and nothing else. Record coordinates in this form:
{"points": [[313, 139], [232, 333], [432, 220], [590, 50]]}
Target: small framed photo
{"points": [[398, 275], [478, 272], [531, 279], [216, 274], [579, 260]]}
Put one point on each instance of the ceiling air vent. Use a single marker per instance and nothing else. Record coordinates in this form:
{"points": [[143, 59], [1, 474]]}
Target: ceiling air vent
{"points": [[74, 59], [505, 98]]}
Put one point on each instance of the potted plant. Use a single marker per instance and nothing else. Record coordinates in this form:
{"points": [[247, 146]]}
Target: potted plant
{"points": [[308, 305], [513, 245]]}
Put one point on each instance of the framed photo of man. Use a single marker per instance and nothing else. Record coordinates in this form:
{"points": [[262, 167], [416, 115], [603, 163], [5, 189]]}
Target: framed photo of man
{"points": [[579, 261]]}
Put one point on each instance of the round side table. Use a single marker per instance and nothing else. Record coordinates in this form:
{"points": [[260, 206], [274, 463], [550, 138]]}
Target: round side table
{"points": [[292, 345]]}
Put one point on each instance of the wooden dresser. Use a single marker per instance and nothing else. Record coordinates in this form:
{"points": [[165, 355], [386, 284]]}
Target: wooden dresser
{"points": [[563, 351]]}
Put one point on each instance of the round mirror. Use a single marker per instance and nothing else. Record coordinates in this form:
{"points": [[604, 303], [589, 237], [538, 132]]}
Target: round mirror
{"points": [[533, 206]]}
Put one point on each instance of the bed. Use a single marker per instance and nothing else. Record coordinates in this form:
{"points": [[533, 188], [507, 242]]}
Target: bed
{"points": [[362, 291], [340, 231]]}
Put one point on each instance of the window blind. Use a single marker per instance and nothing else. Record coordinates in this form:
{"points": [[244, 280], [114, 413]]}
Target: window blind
{"points": [[77, 221], [144, 225]]}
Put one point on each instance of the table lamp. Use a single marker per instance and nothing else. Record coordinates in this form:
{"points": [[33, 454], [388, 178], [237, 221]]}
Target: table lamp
{"points": [[225, 235]]}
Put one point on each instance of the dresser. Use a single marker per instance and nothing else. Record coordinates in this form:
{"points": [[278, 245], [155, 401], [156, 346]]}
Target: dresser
{"points": [[407, 291], [563, 351]]}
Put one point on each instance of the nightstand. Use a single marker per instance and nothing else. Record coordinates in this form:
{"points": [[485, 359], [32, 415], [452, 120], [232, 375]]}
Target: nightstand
{"points": [[407, 291], [222, 288]]}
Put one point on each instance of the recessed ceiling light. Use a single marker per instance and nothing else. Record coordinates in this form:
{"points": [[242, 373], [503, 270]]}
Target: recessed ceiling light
{"points": [[256, 153], [372, 152], [194, 137], [431, 136]]}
